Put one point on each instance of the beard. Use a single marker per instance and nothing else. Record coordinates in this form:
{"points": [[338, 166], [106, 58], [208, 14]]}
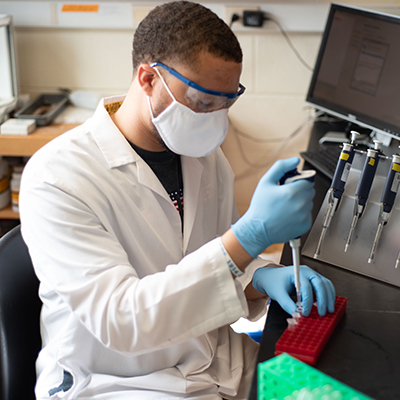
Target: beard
{"points": [[157, 136]]}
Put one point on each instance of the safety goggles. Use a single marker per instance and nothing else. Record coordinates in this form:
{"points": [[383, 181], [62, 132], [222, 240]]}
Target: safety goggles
{"points": [[200, 99]]}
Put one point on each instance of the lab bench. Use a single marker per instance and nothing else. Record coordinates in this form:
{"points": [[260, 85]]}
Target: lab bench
{"points": [[364, 350], [27, 145]]}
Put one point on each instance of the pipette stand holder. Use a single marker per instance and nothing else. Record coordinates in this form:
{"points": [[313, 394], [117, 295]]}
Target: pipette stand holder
{"points": [[355, 259]]}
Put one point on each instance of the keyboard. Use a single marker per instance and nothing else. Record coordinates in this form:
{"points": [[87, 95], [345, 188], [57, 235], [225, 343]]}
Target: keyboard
{"points": [[324, 159]]}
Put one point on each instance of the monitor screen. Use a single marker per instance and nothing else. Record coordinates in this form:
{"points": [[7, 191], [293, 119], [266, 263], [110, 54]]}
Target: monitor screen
{"points": [[357, 73], [8, 77]]}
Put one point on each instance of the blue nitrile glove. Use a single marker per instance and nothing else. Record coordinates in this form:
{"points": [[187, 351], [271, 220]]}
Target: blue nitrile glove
{"points": [[278, 284], [277, 213]]}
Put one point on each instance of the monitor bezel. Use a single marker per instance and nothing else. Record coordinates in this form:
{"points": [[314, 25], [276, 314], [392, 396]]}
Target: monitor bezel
{"points": [[7, 22], [365, 121]]}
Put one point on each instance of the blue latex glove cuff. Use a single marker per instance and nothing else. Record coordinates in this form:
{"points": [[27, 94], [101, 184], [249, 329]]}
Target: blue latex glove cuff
{"points": [[252, 242]]}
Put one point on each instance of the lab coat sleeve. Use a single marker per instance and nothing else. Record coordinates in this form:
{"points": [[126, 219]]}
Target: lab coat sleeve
{"points": [[257, 308], [85, 265]]}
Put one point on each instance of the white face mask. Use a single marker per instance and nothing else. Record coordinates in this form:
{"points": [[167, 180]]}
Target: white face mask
{"points": [[188, 133]]}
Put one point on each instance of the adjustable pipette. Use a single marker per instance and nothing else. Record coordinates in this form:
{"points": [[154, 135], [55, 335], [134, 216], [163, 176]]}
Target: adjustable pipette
{"points": [[293, 176], [388, 197], [295, 244], [364, 187], [337, 187]]}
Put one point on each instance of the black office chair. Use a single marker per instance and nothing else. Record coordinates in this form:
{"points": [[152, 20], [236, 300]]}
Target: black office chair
{"points": [[20, 308]]}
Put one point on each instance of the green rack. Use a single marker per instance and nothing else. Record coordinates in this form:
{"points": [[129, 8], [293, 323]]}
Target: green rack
{"points": [[286, 378]]}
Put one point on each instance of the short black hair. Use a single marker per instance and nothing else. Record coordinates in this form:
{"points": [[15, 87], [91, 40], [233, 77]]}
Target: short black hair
{"points": [[179, 31]]}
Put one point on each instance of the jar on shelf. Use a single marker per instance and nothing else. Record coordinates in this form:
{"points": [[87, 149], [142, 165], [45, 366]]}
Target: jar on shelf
{"points": [[15, 185], [4, 183]]}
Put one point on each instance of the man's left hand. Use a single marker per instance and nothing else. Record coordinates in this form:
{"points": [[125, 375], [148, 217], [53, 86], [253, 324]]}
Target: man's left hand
{"points": [[278, 284]]}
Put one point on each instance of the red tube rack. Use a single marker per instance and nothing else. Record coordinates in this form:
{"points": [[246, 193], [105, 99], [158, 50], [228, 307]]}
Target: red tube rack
{"points": [[308, 338]]}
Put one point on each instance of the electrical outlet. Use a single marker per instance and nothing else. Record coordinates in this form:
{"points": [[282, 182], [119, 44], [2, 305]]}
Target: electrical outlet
{"points": [[230, 10]]}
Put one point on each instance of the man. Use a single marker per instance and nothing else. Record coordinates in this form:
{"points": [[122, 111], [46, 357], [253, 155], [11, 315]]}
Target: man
{"points": [[128, 223]]}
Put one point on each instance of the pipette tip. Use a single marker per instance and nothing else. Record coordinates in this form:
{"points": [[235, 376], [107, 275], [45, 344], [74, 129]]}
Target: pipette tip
{"points": [[319, 245], [348, 242], [369, 260], [351, 232], [299, 302]]}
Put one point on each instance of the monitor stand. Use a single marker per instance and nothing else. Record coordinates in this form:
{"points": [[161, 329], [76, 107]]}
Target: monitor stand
{"points": [[385, 139], [334, 137], [366, 140]]}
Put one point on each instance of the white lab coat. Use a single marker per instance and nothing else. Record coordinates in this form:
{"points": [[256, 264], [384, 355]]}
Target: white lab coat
{"points": [[133, 308]]}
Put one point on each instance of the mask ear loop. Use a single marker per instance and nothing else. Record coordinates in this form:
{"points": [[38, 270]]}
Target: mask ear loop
{"points": [[151, 111], [164, 83], [166, 87]]}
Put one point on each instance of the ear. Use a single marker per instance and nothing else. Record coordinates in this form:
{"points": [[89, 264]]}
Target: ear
{"points": [[146, 78]]}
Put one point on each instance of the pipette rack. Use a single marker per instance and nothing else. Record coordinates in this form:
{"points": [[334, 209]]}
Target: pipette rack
{"points": [[356, 258], [285, 378], [308, 337]]}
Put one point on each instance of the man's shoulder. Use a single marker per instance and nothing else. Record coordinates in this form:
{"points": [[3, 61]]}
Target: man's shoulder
{"points": [[66, 155]]}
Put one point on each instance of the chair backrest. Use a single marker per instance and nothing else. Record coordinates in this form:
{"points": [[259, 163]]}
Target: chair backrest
{"points": [[20, 308]]}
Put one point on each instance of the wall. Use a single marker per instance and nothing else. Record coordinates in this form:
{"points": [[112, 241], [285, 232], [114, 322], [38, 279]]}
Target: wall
{"points": [[272, 108]]}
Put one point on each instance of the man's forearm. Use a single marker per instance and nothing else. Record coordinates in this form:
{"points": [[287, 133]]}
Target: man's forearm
{"points": [[235, 250]]}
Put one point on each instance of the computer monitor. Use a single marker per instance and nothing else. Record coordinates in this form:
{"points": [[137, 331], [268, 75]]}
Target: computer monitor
{"points": [[357, 72], [8, 70]]}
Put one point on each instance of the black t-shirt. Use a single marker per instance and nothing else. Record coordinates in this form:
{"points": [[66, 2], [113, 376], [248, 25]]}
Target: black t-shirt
{"points": [[167, 167]]}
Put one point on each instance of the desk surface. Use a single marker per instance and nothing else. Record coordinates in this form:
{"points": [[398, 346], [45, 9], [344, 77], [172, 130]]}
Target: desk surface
{"points": [[364, 350]]}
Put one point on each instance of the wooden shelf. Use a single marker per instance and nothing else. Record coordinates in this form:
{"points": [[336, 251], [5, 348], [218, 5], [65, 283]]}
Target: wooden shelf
{"points": [[26, 145], [8, 213]]}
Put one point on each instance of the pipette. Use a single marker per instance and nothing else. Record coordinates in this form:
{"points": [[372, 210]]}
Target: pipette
{"points": [[293, 176], [337, 187], [387, 200], [364, 187]]}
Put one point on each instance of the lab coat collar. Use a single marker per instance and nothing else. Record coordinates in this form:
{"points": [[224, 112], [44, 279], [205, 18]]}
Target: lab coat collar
{"points": [[192, 170], [112, 143], [117, 151]]}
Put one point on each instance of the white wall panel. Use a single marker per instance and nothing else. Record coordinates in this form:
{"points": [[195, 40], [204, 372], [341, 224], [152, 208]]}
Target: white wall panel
{"points": [[294, 16]]}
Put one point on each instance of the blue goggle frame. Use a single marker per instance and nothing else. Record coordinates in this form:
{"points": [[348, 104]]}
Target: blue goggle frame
{"points": [[198, 87]]}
